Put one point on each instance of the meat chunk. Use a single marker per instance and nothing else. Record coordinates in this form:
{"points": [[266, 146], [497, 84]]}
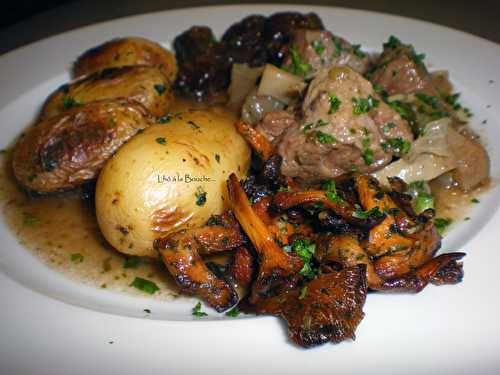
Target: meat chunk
{"points": [[274, 124], [345, 127], [319, 49]]}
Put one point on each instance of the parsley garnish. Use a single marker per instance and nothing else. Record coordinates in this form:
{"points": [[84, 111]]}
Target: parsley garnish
{"points": [[397, 145], [388, 127], [201, 196], [160, 89], [441, 224], [356, 50], [331, 192], [428, 99], [318, 47], [77, 258], [196, 311], [29, 219], [392, 43], [131, 262], [334, 104], [324, 138], [217, 158], [162, 141], [305, 250], [423, 202], [234, 312], [474, 200], [364, 105], [165, 119], [374, 212], [367, 152], [303, 292], [298, 68], [70, 102], [144, 285], [318, 124]]}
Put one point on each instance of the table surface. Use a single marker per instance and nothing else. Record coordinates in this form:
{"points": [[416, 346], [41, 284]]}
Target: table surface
{"points": [[476, 17]]}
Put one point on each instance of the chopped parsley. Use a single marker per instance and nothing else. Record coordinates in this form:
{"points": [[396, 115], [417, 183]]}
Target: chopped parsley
{"points": [[318, 124], [318, 47], [441, 224], [145, 285], [387, 127], [431, 101], [29, 219], [331, 192], [423, 201], [303, 292], [196, 311], [356, 50], [77, 258], [360, 214], [162, 141], [233, 313], [397, 145], [338, 47], [334, 104], [392, 43], [201, 196], [364, 105], [131, 262], [217, 158], [305, 250], [70, 102], [298, 68], [165, 119], [474, 200], [367, 152], [160, 89], [324, 138], [283, 189]]}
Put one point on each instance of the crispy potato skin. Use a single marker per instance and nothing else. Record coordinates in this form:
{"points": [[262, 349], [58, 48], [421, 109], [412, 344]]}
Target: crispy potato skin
{"points": [[65, 151], [144, 84], [170, 177], [125, 52]]}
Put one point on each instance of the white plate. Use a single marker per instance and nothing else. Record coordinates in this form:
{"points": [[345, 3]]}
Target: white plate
{"points": [[446, 329]]}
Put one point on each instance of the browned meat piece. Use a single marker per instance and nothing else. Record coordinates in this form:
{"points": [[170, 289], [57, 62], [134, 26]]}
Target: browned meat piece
{"points": [[146, 85], [278, 32], [274, 124], [67, 150], [473, 162], [327, 309], [126, 52], [399, 70], [344, 128], [181, 253], [320, 49], [277, 270], [242, 267]]}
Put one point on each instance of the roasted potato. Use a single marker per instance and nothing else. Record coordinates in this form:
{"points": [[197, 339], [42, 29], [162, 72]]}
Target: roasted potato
{"points": [[69, 149], [124, 52], [171, 176], [144, 84]]}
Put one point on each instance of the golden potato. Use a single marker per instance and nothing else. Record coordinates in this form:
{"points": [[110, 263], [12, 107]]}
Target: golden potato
{"points": [[67, 150], [144, 84], [171, 176], [123, 52]]}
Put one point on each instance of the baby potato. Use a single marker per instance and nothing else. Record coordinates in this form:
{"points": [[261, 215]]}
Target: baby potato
{"points": [[170, 177], [124, 52], [65, 151], [144, 84]]}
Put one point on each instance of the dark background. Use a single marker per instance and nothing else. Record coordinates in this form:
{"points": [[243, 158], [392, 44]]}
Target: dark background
{"points": [[25, 21]]}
